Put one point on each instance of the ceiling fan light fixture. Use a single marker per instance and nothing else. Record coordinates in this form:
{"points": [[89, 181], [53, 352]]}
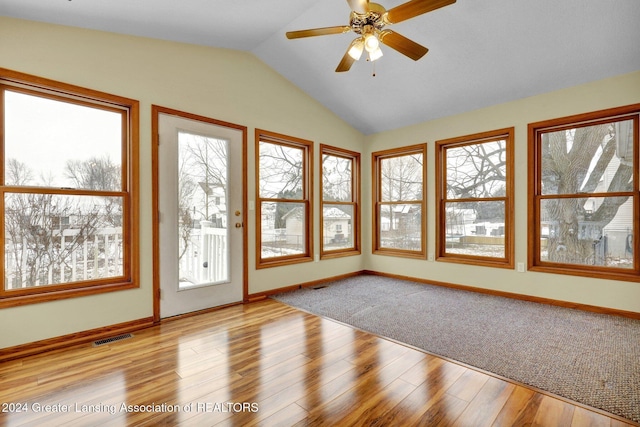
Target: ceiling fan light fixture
{"points": [[371, 43], [376, 54], [357, 46]]}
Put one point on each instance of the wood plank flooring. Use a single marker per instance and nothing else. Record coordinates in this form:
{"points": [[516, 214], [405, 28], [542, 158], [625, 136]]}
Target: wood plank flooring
{"points": [[266, 364]]}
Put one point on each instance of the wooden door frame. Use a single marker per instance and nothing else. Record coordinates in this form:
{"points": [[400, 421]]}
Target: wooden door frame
{"points": [[156, 110]]}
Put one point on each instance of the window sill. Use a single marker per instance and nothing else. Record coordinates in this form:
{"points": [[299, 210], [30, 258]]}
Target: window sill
{"points": [[280, 262], [477, 261], [400, 254], [57, 294], [630, 276]]}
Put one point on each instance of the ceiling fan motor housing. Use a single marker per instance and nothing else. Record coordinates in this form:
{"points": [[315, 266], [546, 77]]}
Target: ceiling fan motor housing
{"points": [[368, 22]]}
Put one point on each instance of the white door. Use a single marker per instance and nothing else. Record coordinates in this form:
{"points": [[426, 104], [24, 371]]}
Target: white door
{"points": [[200, 182]]}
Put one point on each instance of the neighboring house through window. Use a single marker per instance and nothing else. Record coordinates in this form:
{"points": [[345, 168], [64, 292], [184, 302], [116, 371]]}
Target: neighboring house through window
{"points": [[284, 199], [340, 200]]}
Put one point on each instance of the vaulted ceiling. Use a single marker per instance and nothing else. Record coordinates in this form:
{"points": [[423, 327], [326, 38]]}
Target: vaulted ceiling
{"points": [[481, 52]]}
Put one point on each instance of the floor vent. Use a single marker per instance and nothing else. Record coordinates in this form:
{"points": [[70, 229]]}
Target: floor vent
{"points": [[112, 339]]}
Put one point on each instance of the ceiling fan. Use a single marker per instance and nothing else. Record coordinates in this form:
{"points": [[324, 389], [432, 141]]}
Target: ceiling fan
{"points": [[368, 21]]}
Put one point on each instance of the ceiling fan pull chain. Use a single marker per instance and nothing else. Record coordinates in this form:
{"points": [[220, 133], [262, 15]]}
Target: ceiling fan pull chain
{"points": [[374, 68]]}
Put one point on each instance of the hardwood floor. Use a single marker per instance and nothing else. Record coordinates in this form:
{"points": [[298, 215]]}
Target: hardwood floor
{"points": [[266, 364]]}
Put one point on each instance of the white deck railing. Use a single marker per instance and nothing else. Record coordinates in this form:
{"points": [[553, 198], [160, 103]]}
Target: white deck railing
{"points": [[69, 259], [205, 259]]}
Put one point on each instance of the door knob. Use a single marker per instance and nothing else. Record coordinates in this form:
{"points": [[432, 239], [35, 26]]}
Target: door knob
{"points": [[238, 225], [237, 213]]}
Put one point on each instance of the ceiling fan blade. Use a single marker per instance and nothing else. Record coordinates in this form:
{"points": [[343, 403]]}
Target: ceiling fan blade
{"points": [[402, 44], [346, 62], [318, 32], [414, 8], [359, 6]]}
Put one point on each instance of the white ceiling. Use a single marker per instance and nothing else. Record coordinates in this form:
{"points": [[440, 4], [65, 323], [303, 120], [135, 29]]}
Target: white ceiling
{"points": [[481, 52]]}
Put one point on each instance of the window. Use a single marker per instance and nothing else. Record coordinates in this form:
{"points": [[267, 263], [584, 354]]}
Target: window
{"points": [[583, 185], [475, 199], [340, 223], [284, 199], [68, 190], [399, 203]]}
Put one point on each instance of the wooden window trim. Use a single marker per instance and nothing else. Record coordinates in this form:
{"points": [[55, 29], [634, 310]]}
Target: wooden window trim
{"points": [[355, 202], [376, 158], [535, 130], [506, 134], [307, 199], [129, 108]]}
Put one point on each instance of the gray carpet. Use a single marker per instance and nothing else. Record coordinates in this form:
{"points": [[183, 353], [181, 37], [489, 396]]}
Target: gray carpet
{"points": [[589, 358]]}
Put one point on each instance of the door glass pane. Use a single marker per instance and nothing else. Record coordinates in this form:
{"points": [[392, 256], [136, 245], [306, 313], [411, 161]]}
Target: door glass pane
{"points": [[202, 210]]}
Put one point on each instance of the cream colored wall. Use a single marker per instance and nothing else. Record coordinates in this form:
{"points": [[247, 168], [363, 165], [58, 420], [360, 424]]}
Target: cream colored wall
{"points": [[236, 87], [614, 92], [223, 84]]}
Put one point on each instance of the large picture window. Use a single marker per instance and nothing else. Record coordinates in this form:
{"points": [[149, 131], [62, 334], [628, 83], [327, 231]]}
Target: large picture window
{"points": [[340, 198], [68, 190], [583, 184], [475, 199], [284, 199], [399, 201]]}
